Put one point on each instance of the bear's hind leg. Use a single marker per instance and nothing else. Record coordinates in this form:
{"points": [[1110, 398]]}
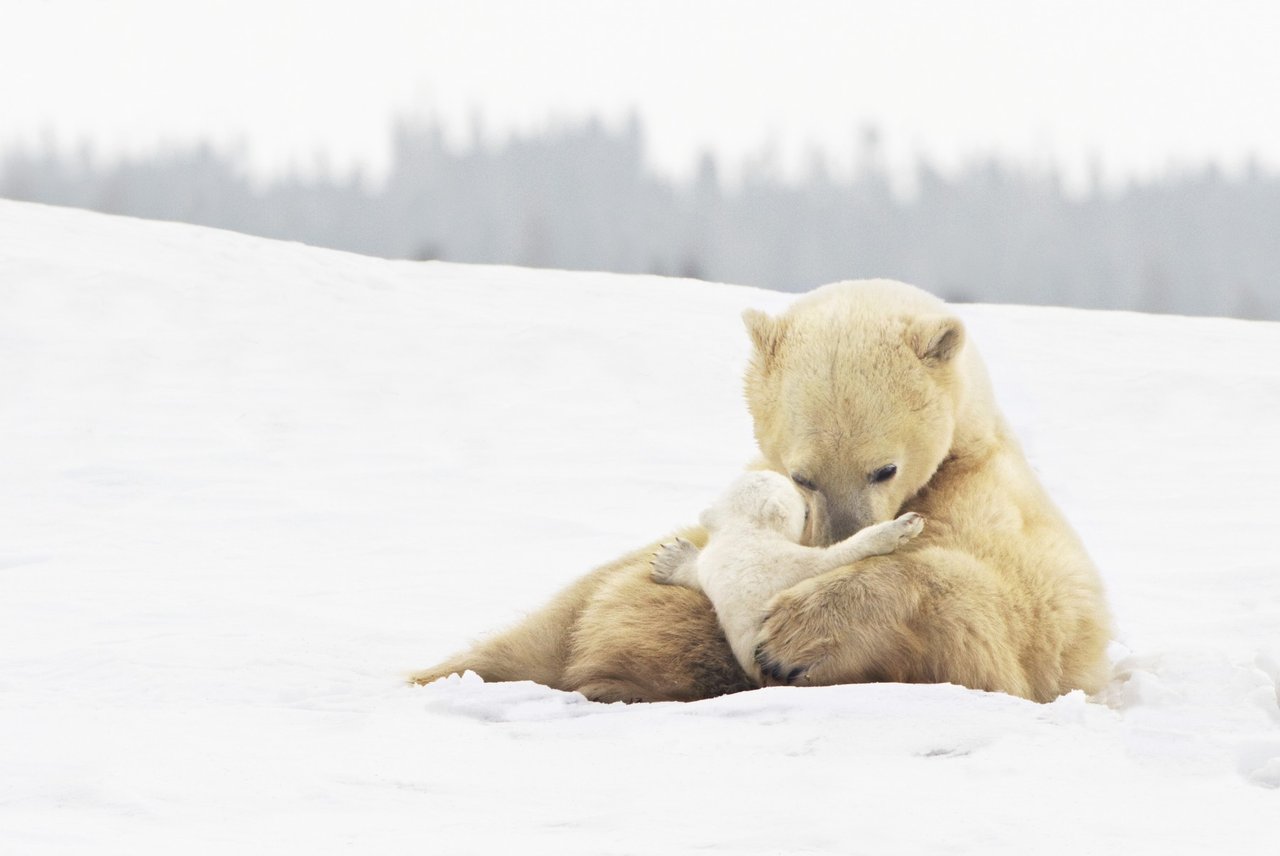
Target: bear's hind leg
{"points": [[537, 649], [638, 641]]}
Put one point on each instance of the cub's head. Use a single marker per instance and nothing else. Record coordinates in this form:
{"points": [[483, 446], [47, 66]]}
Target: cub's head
{"points": [[762, 500], [854, 393]]}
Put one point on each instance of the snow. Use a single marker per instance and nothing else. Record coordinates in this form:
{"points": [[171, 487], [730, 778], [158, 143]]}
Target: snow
{"points": [[246, 486]]}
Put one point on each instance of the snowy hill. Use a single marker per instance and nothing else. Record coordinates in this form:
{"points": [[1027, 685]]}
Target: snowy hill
{"points": [[248, 485]]}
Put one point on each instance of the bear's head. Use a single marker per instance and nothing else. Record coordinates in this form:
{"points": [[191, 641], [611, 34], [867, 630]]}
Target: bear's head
{"points": [[855, 392], [761, 500]]}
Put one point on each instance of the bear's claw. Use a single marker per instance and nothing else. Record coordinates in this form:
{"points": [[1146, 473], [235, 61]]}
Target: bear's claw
{"points": [[774, 671]]}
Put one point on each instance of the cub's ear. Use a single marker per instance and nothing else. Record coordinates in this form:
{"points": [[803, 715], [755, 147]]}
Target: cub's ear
{"points": [[936, 339], [766, 333], [773, 513]]}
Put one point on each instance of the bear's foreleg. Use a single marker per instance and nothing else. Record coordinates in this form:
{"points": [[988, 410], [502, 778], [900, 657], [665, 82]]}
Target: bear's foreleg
{"points": [[928, 616]]}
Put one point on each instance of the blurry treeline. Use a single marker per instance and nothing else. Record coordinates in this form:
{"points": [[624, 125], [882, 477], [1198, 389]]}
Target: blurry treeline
{"points": [[582, 197]]}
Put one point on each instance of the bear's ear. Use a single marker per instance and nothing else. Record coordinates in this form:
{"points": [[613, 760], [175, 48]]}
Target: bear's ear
{"points": [[936, 339], [766, 333]]}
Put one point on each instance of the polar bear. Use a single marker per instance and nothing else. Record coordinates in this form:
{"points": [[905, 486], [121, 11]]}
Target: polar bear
{"points": [[870, 397], [753, 552]]}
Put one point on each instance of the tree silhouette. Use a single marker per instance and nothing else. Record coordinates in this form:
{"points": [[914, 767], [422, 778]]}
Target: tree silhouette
{"points": [[580, 196]]}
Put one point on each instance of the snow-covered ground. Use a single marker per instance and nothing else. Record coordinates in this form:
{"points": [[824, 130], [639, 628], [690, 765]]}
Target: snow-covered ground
{"points": [[246, 486]]}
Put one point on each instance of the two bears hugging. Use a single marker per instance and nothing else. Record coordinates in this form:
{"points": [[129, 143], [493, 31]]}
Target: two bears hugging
{"points": [[893, 531]]}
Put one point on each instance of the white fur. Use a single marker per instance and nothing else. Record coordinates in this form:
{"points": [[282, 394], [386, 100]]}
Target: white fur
{"points": [[752, 554]]}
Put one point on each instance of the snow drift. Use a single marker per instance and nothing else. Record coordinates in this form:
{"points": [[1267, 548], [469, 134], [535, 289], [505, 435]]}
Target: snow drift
{"points": [[248, 485]]}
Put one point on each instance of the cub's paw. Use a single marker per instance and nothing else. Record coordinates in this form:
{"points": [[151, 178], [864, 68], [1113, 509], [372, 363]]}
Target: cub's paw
{"points": [[671, 563], [886, 537], [797, 638]]}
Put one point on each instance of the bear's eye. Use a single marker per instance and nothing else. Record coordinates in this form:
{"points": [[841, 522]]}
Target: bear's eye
{"points": [[884, 473], [803, 482]]}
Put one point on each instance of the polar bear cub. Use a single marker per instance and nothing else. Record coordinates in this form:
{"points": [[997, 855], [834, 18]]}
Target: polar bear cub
{"points": [[753, 552]]}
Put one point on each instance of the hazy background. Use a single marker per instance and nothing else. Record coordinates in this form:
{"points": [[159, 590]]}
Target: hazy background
{"points": [[1083, 153]]}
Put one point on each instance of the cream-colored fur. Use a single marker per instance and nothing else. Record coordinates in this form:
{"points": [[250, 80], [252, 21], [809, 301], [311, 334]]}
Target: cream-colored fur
{"points": [[753, 553], [855, 378]]}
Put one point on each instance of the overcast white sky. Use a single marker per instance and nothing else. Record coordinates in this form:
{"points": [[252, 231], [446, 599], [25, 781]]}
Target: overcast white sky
{"points": [[1138, 84]]}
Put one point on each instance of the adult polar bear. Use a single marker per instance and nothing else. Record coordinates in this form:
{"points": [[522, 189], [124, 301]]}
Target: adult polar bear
{"points": [[867, 395]]}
